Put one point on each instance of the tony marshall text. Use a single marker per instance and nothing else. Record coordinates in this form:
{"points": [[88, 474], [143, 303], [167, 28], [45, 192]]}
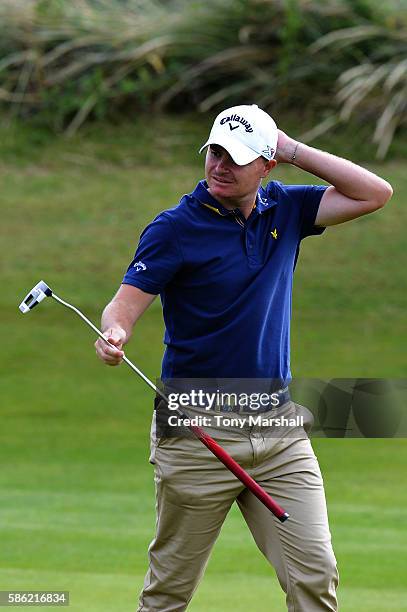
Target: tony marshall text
{"points": [[242, 421]]}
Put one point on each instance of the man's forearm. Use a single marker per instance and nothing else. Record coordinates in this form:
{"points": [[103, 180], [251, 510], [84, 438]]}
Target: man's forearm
{"points": [[116, 314], [125, 309], [348, 178]]}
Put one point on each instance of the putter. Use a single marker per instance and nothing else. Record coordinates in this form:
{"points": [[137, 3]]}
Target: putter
{"points": [[42, 290]]}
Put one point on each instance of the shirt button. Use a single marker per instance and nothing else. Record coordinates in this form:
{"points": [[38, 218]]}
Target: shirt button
{"points": [[250, 245]]}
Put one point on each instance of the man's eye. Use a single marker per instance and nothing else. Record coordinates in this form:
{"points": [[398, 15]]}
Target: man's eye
{"points": [[215, 152]]}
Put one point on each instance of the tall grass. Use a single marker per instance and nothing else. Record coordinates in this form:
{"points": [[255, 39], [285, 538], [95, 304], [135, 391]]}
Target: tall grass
{"points": [[65, 62], [377, 83], [68, 60]]}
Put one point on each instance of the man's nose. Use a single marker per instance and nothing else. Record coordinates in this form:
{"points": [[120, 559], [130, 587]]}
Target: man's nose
{"points": [[223, 162]]}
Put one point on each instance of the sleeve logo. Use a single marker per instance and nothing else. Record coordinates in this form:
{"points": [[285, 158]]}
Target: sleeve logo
{"points": [[139, 266]]}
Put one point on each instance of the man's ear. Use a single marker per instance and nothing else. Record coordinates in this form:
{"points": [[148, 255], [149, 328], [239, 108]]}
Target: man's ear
{"points": [[269, 164]]}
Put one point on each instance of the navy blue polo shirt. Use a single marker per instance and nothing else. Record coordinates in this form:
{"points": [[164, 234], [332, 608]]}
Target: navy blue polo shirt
{"points": [[225, 281]]}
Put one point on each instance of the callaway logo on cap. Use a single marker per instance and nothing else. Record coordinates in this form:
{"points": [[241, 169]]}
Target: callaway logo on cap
{"points": [[246, 132]]}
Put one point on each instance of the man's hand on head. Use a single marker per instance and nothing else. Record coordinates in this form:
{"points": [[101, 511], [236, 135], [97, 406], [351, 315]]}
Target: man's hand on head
{"points": [[286, 148]]}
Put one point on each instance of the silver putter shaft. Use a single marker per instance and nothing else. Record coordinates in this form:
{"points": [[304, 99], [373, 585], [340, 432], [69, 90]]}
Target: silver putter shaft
{"points": [[41, 291]]}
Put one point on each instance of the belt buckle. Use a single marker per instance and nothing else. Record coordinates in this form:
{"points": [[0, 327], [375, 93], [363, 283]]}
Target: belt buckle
{"points": [[227, 409]]}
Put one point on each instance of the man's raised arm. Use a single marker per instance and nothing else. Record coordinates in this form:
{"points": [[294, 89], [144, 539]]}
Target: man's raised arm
{"points": [[353, 191]]}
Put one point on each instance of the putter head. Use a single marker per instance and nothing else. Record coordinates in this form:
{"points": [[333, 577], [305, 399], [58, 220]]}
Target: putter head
{"points": [[35, 296]]}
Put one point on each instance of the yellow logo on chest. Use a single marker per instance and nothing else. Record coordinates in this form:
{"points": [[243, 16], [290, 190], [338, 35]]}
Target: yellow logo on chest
{"points": [[274, 233]]}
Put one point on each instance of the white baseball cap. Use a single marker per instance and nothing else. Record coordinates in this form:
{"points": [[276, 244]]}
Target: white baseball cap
{"points": [[246, 132]]}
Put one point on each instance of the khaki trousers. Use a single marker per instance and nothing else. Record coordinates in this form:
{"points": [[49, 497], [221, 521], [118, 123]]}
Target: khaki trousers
{"points": [[194, 492]]}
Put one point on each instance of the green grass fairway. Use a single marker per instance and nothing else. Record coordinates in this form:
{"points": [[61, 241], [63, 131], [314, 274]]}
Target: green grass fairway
{"points": [[76, 488]]}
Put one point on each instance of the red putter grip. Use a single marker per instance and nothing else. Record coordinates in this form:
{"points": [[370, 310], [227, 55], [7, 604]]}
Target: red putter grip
{"points": [[240, 473]]}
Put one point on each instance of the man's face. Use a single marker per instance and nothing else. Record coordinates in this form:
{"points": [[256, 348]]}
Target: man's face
{"points": [[227, 180]]}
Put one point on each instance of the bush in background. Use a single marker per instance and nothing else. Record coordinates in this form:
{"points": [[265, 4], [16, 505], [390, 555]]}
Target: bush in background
{"points": [[63, 62]]}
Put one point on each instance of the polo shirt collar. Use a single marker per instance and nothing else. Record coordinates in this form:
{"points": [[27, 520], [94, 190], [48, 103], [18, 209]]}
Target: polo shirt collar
{"points": [[264, 202], [201, 193]]}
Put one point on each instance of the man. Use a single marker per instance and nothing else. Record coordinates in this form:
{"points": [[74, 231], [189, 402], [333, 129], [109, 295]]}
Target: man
{"points": [[222, 262]]}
